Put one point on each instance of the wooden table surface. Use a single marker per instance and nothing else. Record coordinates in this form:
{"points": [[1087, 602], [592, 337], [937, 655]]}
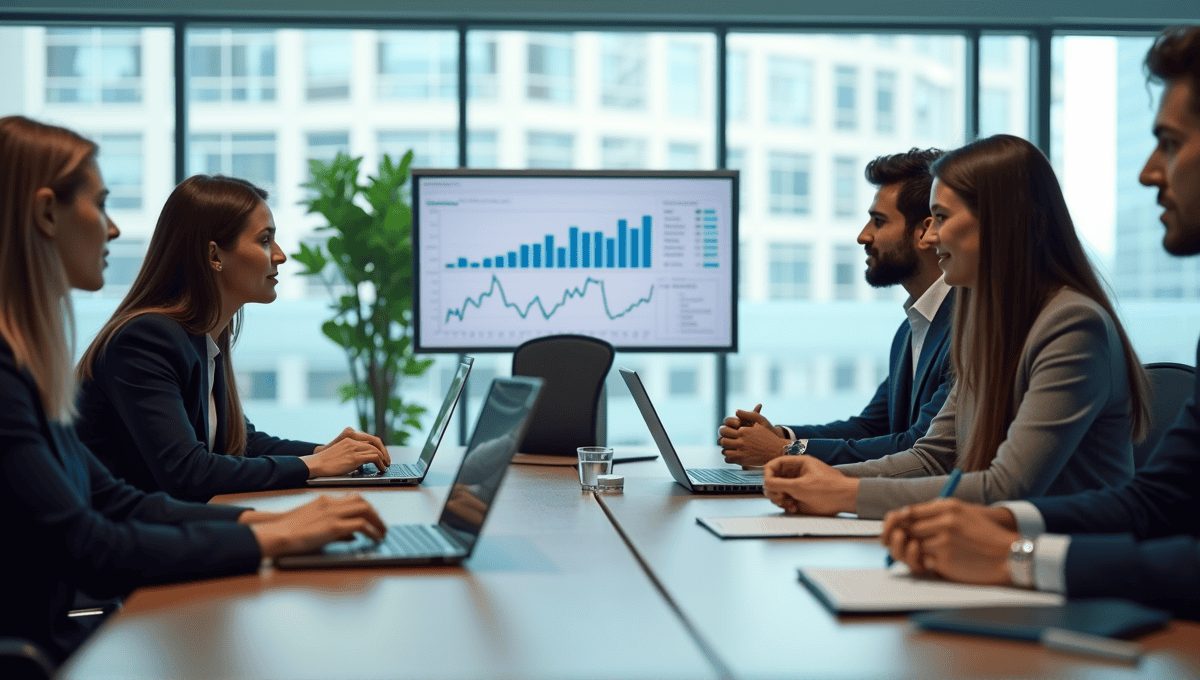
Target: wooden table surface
{"points": [[553, 591]]}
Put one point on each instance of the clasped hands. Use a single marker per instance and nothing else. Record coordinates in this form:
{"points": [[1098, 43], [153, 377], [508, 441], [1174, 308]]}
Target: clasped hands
{"points": [[955, 540]]}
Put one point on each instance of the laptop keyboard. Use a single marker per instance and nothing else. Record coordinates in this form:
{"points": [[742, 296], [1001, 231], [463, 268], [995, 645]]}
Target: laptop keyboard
{"points": [[395, 470], [722, 476], [405, 540]]}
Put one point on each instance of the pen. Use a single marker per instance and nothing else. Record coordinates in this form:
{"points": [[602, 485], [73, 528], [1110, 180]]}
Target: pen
{"points": [[1091, 645], [946, 492]]}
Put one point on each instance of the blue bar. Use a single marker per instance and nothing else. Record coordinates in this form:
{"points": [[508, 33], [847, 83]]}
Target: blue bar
{"points": [[512, 259], [600, 250], [537, 254], [499, 261], [621, 233], [612, 258], [462, 262], [487, 262], [549, 250], [711, 265], [587, 250], [525, 256], [562, 257], [633, 248], [645, 241], [574, 247]]}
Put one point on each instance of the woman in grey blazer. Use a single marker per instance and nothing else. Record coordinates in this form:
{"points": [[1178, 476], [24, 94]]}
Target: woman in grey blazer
{"points": [[1048, 396]]}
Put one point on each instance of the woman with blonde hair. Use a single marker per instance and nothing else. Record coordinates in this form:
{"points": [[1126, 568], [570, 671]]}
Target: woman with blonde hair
{"points": [[1049, 394], [75, 525], [159, 404]]}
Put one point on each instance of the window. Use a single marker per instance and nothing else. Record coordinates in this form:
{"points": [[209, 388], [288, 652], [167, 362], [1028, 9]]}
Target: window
{"points": [[789, 82], [325, 146], [231, 65], [845, 181], [125, 257], [885, 102], [260, 386], [418, 65], [482, 149], [1004, 85], [845, 259], [789, 271], [622, 71], [327, 56], [844, 374], [550, 150], [790, 183], [431, 148], [550, 68], [623, 153], [735, 159], [682, 382], [93, 65], [325, 384], [250, 156], [846, 97], [931, 114], [120, 163], [682, 156], [993, 111], [482, 65], [683, 79], [737, 72]]}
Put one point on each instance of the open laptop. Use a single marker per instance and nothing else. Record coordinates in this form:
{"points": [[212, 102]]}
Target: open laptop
{"points": [[407, 473], [696, 480], [498, 432]]}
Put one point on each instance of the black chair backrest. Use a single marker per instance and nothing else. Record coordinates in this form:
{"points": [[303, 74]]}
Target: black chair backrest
{"points": [[1170, 386], [570, 412], [21, 659]]}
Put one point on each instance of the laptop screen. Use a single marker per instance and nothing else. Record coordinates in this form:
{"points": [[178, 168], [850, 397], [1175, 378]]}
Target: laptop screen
{"points": [[501, 425], [443, 417]]}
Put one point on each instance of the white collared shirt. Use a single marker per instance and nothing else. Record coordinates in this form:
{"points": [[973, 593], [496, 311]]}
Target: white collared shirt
{"points": [[213, 351], [920, 316]]}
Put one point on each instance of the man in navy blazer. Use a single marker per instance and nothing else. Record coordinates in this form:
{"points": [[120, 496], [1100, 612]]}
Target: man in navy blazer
{"points": [[918, 369], [1138, 540]]}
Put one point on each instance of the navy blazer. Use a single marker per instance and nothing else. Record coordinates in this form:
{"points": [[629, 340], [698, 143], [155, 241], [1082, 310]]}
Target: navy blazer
{"points": [[1151, 552], [73, 526], [902, 408], [145, 415]]}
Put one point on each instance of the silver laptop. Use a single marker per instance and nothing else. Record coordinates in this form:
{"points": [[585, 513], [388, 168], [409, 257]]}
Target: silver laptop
{"points": [[407, 473], [499, 430], [696, 480]]}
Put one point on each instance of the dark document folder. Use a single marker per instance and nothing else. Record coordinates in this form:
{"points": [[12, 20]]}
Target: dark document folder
{"points": [[1104, 617]]}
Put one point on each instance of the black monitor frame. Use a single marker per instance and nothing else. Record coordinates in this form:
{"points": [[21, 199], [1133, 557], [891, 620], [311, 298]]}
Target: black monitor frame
{"points": [[732, 175]]}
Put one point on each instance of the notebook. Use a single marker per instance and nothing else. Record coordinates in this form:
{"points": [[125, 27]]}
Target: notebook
{"points": [[407, 473], [1108, 617], [501, 425], [781, 525], [894, 589], [696, 480]]}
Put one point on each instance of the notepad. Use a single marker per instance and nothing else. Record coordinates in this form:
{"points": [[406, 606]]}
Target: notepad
{"points": [[895, 590], [784, 525]]}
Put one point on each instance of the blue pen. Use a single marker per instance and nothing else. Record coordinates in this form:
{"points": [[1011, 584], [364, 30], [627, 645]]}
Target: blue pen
{"points": [[946, 492]]}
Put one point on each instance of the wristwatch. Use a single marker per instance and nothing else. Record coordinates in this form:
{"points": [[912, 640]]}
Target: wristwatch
{"points": [[1020, 562], [795, 448]]}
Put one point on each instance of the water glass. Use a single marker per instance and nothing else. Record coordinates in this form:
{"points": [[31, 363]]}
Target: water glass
{"points": [[593, 461]]}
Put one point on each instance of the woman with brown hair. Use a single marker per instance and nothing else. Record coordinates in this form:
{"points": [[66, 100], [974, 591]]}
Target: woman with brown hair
{"points": [[159, 404], [1049, 395], [74, 525]]}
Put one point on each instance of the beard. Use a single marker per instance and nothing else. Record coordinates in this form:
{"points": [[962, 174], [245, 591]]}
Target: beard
{"points": [[893, 266]]}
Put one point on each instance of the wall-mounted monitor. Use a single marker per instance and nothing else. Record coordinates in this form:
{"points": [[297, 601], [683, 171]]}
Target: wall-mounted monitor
{"points": [[644, 260]]}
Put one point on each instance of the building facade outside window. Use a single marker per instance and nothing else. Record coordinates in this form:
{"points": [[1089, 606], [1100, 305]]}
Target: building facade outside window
{"points": [[93, 65], [231, 65], [418, 65], [622, 71], [550, 67], [790, 183], [121, 165], [790, 271], [328, 59], [431, 148], [623, 153], [846, 174], [550, 150], [683, 79], [248, 155], [789, 94], [885, 102], [846, 97]]}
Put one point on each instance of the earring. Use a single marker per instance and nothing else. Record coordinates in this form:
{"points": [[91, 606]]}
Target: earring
{"points": [[219, 267]]}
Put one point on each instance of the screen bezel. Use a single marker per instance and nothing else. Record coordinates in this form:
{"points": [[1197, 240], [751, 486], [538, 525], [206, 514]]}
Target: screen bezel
{"points": [[732, 175]]}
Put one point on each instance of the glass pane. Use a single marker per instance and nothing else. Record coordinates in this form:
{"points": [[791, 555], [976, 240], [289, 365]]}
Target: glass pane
{"points": [[602, 100], [813, 110], [1004, 85], [1101, 119]]}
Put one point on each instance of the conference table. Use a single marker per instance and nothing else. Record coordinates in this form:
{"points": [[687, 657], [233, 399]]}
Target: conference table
{"points": [[566, 584]]}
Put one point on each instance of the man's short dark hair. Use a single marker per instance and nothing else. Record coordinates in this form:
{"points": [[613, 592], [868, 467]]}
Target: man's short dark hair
{"points": [[1175, 55], [911, 171]]}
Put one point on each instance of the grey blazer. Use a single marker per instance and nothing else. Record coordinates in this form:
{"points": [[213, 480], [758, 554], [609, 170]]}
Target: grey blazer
{"points": [[1072, 429]]}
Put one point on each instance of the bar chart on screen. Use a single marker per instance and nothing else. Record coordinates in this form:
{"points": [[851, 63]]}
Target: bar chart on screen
{"points": [[640, 269]]}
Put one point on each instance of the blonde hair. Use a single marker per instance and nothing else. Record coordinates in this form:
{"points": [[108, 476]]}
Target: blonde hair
{"points": [[35, 306]]}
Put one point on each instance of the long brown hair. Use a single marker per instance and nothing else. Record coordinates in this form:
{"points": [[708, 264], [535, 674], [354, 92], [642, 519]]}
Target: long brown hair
{"points": [[1028, 249], [35, 301], [176, 280]]}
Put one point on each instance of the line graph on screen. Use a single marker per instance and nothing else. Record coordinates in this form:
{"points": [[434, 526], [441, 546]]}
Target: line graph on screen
{"points": [[568, 294]]}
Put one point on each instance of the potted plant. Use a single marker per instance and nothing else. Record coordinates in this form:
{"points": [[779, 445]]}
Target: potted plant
{"points": [[366, 265]]}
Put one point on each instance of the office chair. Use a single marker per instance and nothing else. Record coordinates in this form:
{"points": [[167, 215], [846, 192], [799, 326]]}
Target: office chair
{"points": [[571, 411], [1170, 386], [21, 659]]}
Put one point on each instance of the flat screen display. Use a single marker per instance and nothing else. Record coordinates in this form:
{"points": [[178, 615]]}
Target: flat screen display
{"points": [[644, 260]]}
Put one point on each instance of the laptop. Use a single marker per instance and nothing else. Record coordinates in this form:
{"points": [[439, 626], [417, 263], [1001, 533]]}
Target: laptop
{"points": [[696, 480], [498, 432], [407, 474]]}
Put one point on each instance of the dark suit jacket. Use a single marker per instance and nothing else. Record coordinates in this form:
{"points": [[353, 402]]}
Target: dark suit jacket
{"points": [[1151, 552], [145, 415], [69, 524], [902, 408]]}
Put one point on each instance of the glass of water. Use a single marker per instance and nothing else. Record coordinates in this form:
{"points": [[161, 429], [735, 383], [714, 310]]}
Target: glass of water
{"points": [[593, 461]]}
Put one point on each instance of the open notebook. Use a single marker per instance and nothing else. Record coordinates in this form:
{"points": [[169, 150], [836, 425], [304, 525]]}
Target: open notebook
{"points": [[782, 525], [896, 590]]}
